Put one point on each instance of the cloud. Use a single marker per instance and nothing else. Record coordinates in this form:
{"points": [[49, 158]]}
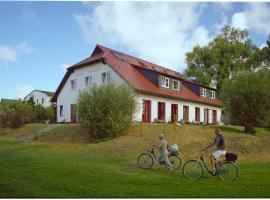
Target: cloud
{"points": [[64, 66], [158, 32], [255, 17], [10, 54], [22, 90], [239, 20]]}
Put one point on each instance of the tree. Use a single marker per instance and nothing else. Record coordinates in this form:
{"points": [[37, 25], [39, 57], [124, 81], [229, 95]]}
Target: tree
{"points": [[106, 111], [246, 97], [230, 52], [265, 55]]}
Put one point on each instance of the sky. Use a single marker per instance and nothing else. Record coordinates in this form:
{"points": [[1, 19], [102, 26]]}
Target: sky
{"points": [[39, 40]]}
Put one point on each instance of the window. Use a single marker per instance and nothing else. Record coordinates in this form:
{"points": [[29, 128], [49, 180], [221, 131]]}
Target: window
{"points": [[73, 84], [88, 81], [203, 92], [37, 102], [106, 77], [175, 85], [61, 110], [212, 95], [42, 101], [164, 82]]}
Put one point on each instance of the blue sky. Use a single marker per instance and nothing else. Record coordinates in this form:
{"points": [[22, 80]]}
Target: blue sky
{"points": [[38, 40]]}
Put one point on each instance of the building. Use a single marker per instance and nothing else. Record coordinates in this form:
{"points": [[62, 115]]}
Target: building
{"points": [[162, 93], [40, 97]]}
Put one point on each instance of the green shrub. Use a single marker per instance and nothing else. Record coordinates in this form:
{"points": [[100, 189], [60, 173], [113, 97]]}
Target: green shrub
{"points": [[15, 113], [106, 111]]}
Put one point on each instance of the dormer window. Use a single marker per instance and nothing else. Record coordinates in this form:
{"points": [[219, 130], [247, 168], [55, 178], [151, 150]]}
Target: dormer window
{"points": [[164, 82], [212, 94], [204, 92], [73, 84], [175, 85]]}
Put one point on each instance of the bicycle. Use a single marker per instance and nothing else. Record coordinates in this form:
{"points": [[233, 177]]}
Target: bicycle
{"points": [[146, 160], [225, 170]]}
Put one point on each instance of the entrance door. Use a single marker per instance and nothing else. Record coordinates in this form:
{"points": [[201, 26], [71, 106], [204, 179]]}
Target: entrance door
{"points": [[197, 114], [146, 117], [174, 112], [161, 111], [214, 116], [206, 116], [185, 113], [73, 113]]}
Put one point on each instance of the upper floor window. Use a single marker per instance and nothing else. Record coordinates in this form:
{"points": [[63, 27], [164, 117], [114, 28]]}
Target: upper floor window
{"points": [[73, 84], [164, 82], [88, 81], [204, 92], [175, 85], [213, 95], [106, 77]]}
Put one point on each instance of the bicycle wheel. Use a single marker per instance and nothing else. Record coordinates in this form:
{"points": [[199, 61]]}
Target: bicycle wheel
{"points": [[145, 161], [227, 171], [193, 169], [175, 161]]}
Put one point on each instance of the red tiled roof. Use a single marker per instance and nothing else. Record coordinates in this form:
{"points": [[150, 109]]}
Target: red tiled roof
{"points": [[136, 79]]}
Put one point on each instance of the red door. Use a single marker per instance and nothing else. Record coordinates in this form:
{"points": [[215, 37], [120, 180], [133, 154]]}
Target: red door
{"points": [[146, 117], [214, 116], [161, 111], [185, 113], [206, 116], [174, 112], [197, 114]]}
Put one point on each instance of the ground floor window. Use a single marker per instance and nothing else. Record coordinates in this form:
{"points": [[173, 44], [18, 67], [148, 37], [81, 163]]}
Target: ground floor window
{"points": [[61, 110]]}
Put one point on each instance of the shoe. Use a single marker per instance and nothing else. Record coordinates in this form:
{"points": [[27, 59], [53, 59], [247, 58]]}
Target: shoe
{"points": [[213, 172]]}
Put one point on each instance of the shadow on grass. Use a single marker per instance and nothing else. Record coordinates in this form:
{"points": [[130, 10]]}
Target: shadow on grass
{"points": [[232, 129]]}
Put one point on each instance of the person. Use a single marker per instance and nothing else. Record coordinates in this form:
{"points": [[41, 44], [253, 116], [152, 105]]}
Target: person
{"points": [[219, 141], [163, 152]]}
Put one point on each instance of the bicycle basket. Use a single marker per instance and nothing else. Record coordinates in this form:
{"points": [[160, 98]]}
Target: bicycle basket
{"points": [[174, 149], [231, 157]]}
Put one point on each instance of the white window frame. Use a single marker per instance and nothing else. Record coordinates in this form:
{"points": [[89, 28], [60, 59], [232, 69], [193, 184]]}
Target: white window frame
{"points": [[88, 83], [165, 82], [204, 92], [213, 94], [73, 84], [178, 85], [107, 77]]}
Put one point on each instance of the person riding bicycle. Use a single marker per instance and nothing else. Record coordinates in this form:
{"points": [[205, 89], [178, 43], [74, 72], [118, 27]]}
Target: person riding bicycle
{"points": [[220, 149], [163, 151]]}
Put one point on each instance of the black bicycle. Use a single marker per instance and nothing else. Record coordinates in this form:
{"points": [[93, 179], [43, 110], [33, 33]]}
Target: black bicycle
{"points": [[146, 160], [225, 170]]}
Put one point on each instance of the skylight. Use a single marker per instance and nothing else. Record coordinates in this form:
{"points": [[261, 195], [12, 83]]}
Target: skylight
{"points": [[119, 56]]}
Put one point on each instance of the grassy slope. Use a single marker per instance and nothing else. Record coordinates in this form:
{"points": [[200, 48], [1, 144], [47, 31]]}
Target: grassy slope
{"points": [[108, 169]]}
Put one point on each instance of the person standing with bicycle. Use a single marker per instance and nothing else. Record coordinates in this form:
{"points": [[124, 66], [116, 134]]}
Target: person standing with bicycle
{"points": [[163, 152], [219, 141]]}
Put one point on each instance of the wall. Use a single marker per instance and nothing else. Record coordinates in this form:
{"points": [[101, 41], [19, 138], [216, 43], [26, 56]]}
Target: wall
{"points": [[154, 108], [38, 96], [67, 96]]}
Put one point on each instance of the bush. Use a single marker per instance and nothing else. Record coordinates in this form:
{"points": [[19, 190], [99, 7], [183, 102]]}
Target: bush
{"points": [[42, 114], [15, 113], [246, 97], [106, 111]]}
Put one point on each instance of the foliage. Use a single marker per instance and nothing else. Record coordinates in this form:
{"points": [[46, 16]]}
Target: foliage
{"points": [[42, 114], [106, 111], [246, 97], [230, 52], [15, 113]]}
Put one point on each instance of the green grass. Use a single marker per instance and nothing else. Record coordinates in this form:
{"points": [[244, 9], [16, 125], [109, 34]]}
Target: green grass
{"points": [[108, 169]]}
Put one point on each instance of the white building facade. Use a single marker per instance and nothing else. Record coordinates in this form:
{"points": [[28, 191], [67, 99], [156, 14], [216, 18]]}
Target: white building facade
{"points": [[163, 95], [40, 97]]}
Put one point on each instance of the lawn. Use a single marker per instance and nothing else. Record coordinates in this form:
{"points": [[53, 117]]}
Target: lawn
{"points": [[69, 167]]}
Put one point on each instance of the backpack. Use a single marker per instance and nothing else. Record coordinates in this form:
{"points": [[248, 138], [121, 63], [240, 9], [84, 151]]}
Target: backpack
{"points": [[231, 157]]}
